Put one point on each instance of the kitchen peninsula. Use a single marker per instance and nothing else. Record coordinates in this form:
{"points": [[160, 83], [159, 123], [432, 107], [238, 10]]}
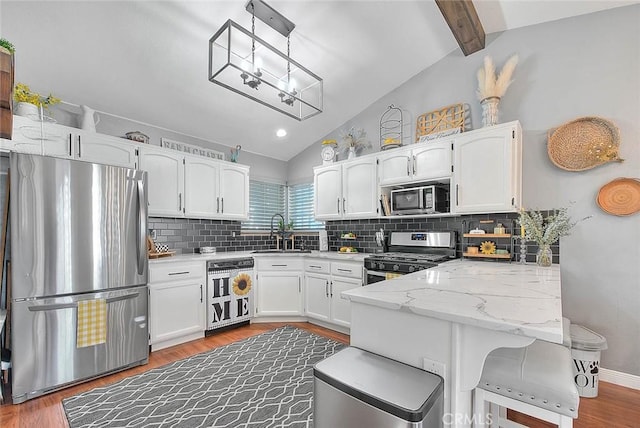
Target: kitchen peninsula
{"points": [[450, 317]]}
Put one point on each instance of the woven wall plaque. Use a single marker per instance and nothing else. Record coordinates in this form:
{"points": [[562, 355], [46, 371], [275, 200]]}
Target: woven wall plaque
{"points": [[446, 118], [584, 143]]}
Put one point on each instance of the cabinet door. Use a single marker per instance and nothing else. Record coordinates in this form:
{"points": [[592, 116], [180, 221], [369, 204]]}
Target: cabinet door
{"points": [[58, 141], [92, 147], [394, 166], [26, 136], [340, 306], [432, 161], [359, 189], [328, 192], [234, 192], [487, 170], [176, 309], [279, 293], [201, 185], [165, 181], [316, 292]]}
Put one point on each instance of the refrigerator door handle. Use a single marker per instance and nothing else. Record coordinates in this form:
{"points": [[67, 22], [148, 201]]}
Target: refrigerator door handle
{"points": [[55, 306], [142, 233]]}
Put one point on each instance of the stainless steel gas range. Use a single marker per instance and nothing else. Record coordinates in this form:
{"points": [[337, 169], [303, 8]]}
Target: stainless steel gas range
{"points": [[410, 252]]}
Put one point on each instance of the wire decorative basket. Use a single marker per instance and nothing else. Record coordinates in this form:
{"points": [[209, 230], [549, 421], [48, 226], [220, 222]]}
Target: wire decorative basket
{"points": [[584, 143], [391, 128]]}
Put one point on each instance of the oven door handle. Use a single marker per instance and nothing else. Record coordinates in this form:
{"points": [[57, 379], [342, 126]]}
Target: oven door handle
{"points": [[381, 275], [376, 273]]}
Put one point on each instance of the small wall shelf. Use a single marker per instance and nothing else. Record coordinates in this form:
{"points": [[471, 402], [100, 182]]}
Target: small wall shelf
{"points": [[470, 239], [489, 256], [487, 235]]}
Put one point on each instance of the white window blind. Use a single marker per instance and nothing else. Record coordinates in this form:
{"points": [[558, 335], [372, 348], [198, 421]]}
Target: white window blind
{"points": [[295, 203], [301, 207], [265, 200]]}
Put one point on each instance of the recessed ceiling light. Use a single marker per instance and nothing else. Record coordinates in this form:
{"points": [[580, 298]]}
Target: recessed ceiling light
{"points": [[281, 133]]}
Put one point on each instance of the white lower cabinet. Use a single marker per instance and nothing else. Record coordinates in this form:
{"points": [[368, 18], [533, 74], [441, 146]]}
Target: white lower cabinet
{"points": [[279, 287], [324, 283], [176, 303], [340, 306], [317, 300]]}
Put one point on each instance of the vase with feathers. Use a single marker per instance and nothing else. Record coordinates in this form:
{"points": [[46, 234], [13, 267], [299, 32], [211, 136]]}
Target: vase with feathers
{"points": [[491, 88]]}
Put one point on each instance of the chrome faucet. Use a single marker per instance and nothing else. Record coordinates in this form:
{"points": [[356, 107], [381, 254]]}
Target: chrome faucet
{"points": [[271, 228]]}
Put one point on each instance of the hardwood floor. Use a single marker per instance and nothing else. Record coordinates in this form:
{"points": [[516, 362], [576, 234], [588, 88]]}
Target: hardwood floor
{"points": [[615, 406]]}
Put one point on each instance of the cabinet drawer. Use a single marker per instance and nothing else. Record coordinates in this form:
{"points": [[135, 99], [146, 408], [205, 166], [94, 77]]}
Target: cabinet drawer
{"points": [[351, 270], [277, 263], [176, 271], [317, 266]]}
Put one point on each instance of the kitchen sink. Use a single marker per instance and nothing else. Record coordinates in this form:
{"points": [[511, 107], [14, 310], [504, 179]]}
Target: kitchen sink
{"points": [[280, 251]]}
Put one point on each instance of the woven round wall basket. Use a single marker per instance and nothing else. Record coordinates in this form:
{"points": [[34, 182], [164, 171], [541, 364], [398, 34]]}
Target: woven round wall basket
{"points": [[620, 197], [584, 143]]}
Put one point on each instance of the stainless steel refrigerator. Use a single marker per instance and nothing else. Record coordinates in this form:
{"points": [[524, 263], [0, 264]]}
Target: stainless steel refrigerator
{"points": [[78, 234]]}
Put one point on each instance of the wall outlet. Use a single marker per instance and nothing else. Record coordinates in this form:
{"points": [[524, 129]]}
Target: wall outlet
{"points": [[435, 367], [152, 233]]}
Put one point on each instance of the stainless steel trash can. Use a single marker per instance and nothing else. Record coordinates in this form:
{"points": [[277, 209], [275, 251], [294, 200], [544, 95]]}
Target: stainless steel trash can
{"points": [[355, 388], [585, 350]]}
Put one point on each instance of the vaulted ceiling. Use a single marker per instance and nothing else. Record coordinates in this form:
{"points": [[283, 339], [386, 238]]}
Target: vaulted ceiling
{"points": [[148, 60]]}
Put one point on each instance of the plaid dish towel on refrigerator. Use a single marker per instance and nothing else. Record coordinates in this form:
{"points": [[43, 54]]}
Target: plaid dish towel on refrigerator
{"points": [[92, 322]]}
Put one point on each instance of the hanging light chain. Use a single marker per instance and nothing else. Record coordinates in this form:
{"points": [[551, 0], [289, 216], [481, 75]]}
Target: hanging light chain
{"points": [[289, 58], [253, 33]]}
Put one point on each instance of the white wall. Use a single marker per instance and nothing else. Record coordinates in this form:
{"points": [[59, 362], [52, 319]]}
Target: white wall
{"points": [[587, 65]]}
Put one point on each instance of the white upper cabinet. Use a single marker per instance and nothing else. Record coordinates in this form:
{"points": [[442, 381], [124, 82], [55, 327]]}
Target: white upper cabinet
{"points": [[488, 170], [50, 139], [432, 161], [201, 186], [234, 192], [359, 192], [346, 190], [328, 192], [179, 185], [99, 148], [418, 163], [165, 180], [194, 187]]}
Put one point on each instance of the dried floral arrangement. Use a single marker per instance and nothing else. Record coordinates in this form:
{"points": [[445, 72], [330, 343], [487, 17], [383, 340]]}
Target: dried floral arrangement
{"points": [[491, 86], [354, 137], [547, 230]]}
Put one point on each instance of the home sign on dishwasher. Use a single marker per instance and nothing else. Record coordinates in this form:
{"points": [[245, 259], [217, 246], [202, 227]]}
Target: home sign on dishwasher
{"points": [[229, 292]]}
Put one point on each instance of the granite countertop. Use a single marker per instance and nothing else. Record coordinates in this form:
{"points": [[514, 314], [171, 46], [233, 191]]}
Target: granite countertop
{"points": [[521, 299], [333, 255]]}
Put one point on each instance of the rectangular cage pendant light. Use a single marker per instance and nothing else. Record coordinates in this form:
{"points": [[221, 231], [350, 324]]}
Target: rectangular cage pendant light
{"points": [[244, 63]]}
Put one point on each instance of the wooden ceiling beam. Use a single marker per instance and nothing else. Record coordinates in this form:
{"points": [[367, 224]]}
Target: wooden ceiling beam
{"points": [[462, 18]]}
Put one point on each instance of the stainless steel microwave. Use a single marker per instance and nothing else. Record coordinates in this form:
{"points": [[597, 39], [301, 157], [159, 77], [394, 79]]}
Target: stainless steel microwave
{"points": [[420, 200]]}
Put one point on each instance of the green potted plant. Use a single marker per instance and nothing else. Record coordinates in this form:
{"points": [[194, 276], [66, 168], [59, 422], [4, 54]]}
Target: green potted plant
{"points": [[28, 103], [7, 47]]}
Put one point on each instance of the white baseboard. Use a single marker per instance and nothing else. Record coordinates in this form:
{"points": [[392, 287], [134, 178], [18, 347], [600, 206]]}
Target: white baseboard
{"points": [[620, 378]]}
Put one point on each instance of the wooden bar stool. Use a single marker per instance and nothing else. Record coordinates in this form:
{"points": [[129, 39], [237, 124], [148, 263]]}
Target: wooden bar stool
{"points": [[536, 380]]}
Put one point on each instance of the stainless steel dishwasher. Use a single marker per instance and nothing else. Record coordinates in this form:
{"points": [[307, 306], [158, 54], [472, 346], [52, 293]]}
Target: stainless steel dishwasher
{"points": [[229, 292]]}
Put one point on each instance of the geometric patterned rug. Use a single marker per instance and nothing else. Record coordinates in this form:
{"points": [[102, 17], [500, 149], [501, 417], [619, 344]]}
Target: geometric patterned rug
{"points": [[262, 381]]}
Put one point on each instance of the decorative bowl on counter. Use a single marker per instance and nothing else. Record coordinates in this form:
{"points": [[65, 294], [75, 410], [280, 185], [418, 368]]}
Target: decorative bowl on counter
{"points": [[207, 250], [348, 250]]}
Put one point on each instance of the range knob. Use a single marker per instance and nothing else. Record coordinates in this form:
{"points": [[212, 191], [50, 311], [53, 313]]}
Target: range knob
{"points": [[380, 265], [412, 268], [396, 267]]}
